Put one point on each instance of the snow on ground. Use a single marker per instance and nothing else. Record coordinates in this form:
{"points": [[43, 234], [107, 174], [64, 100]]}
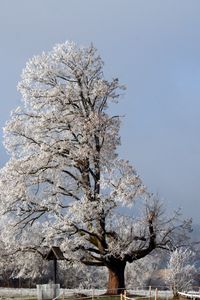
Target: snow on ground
{"points": [[32, 293]]}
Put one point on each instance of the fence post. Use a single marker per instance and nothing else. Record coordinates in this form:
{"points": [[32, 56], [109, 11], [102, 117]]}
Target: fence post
{"points": [[156, 294], [149, 292]]}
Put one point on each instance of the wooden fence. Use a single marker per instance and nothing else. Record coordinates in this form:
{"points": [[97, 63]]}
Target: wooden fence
{"points": [[189, 295]]}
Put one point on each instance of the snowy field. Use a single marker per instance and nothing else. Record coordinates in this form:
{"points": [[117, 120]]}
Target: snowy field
{"points": [[22, 293]]}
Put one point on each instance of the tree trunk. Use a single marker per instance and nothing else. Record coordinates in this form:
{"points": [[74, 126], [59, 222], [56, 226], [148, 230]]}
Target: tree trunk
{"points": [[116, 282], [175, 290]]}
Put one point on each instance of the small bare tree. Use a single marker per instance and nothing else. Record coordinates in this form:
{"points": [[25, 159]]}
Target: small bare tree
{"points": [[181, 270]]}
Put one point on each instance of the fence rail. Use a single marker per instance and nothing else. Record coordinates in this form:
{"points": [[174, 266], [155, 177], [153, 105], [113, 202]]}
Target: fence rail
{"points": [[150, 293], [189, 295]]}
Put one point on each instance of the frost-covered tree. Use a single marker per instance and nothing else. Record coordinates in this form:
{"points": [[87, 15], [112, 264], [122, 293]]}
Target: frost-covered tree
{"points": [[22, 265], [140, 272], [64, 184], [181, 270]]}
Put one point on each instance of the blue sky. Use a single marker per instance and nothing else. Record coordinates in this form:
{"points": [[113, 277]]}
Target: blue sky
{"points": [[154, 48]]}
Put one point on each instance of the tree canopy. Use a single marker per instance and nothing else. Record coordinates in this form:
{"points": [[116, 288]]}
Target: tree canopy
{"points": [[64, 183]]}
